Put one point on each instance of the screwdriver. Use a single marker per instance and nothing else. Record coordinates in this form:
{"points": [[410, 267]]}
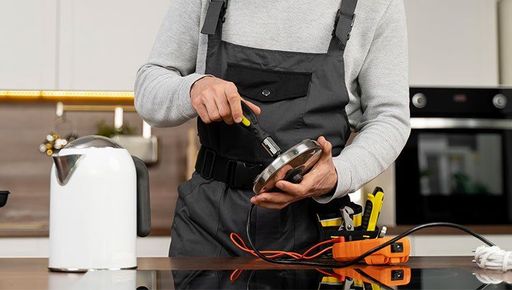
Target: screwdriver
{"points": [[250, 122], [372, 209]]}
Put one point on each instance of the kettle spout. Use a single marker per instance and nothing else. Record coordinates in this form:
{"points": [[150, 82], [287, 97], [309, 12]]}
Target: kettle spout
{"points": [[65, 166]]}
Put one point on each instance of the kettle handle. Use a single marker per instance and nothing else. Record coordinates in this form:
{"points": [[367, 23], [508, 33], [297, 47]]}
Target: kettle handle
{"points": [[143, 202]]}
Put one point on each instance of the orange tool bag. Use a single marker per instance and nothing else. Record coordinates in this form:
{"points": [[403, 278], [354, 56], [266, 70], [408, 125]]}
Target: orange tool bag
{"points": [[358, 232], [396, 253]]}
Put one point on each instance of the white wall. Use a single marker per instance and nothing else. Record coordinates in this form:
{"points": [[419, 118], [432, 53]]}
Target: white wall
{"points": [[453, 42], [27, 44], [103, 43], [505, 17], [76, 44]]}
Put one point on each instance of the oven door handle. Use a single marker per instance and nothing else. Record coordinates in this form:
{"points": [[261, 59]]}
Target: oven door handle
{"points": [[460, 123]]}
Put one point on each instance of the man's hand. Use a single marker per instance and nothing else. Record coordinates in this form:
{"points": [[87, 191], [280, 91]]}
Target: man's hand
{"points": [[320, 180], [215, 100]]}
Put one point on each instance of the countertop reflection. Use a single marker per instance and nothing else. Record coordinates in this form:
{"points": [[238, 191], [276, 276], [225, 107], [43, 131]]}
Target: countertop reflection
{"points": [[360, 278], [222, 273]]}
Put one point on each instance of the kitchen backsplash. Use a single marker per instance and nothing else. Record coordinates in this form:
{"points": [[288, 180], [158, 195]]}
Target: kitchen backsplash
{"points": [[25, 171]]}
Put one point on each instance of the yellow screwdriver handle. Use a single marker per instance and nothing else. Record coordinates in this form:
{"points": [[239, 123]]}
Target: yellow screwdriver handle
{"points": [[246, 122], [377, 200]]}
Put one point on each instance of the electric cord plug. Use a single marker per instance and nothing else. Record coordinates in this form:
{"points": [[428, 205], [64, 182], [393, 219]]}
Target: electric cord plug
{"points": [[493, 258]]}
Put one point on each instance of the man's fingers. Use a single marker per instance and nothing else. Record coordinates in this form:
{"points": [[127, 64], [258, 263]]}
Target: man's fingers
{"points": [[272, 197], [253, 107], [296, 189], [275, 200], [292, 188], [209, 102], [203, 113], [221, 100], [234, 101], [270, 205], [326, 147], [223, 107]]}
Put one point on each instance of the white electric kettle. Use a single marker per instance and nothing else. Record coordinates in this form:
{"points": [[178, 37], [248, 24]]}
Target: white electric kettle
{"points": [[99, 203]]}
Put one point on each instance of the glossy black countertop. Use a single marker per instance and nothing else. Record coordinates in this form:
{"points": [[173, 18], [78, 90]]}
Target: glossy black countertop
{"points": [[248, 273]]}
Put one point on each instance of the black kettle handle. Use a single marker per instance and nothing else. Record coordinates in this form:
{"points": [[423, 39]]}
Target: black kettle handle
{"points": [[4, 194], [143, 201]]}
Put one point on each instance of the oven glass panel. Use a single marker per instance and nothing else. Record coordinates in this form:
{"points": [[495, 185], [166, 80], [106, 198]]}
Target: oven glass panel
{"points": [[460, 164]]}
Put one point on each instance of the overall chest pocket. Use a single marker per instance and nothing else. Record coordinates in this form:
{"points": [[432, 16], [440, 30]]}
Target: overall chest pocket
{"points": [[268, 86]]}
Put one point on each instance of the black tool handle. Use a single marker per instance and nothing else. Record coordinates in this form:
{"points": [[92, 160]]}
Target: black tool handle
{"points": [[253, 126], [250, 123], [367, 214]]}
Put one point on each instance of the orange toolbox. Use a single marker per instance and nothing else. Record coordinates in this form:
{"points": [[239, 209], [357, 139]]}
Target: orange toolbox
{"points": [[390, 276]]}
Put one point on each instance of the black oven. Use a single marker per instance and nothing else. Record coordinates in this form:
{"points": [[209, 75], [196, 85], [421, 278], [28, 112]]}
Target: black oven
{"points": [[457, 164]]}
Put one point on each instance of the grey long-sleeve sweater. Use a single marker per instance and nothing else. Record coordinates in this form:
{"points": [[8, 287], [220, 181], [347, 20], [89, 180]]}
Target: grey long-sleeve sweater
{"points": [[375, 69]]}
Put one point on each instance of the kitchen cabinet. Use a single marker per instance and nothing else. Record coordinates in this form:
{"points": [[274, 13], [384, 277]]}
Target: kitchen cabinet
{"points": [[453, 42], [103, 43], [72, 44], [28, 44]]}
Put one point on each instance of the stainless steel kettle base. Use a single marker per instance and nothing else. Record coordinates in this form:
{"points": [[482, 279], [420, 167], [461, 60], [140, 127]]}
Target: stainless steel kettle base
{"points": [[292, 164], [78, 270]]}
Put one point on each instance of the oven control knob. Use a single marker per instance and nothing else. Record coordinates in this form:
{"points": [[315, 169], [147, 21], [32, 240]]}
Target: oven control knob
{"points": [[419, 100], [499, 101]]}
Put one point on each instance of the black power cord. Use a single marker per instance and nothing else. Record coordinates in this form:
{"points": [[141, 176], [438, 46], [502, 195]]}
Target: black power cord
{"points": [[361, 257]]}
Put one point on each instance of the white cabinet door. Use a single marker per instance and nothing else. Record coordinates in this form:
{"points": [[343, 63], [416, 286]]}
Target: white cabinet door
{"points": [[453, 42], [103, 43], [505, 28], [27, 44]]}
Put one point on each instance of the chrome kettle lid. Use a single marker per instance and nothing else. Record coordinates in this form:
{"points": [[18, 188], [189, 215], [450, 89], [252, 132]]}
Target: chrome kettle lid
{"points": [[92, 141], [65, 164]]}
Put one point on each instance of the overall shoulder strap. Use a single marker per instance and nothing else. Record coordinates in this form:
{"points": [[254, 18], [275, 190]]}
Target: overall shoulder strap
{"points": [[345, 20], [214, 16]]}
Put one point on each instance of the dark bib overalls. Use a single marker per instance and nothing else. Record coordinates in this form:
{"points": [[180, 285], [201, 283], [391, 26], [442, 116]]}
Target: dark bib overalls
{"points": [[301, 95]]}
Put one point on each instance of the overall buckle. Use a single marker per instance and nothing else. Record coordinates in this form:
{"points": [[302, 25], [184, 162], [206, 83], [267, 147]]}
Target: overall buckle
{"points": [[208, 163], [223, 11], [214, 16], [231, 176], [338, 26]]}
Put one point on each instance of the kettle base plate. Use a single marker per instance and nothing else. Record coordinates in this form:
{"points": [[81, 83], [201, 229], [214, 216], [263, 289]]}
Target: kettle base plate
{"points": [[78, 270]]}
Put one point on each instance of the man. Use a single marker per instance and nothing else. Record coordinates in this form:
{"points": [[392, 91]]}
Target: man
{"points": [[293, 63]]}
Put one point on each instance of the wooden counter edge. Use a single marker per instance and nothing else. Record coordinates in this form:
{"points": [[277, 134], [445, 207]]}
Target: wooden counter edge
{"points": [[19, 265], [40, 233], [394, 230]]}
